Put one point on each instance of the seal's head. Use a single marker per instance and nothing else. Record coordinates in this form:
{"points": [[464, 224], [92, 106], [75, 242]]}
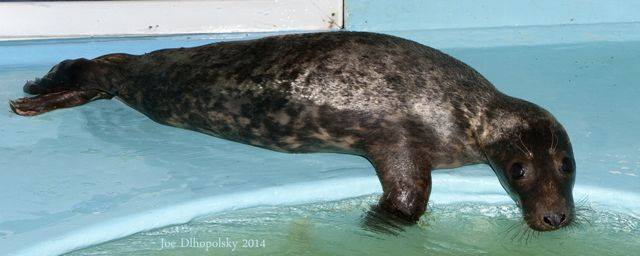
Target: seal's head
{"points": [[533, 159], [70, 83]]}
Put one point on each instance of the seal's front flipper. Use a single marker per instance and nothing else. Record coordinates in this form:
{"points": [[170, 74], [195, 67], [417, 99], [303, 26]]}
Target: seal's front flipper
{"points": [[405, 175], [380, 220], [31, 106]]}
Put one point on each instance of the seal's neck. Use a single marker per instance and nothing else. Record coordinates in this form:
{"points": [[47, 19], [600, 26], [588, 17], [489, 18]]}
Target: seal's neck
{"points": [[504, 117]]}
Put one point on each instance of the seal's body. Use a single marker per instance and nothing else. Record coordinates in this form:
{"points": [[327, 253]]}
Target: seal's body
{"points": [[310, 93], [406, 107]]}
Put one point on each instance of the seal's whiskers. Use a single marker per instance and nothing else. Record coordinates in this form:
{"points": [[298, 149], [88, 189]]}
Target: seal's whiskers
{"points": [[581, 209], [523, 148]]}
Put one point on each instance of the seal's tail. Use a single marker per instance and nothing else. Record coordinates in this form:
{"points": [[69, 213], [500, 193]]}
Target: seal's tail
{"points": [[31, 106]]}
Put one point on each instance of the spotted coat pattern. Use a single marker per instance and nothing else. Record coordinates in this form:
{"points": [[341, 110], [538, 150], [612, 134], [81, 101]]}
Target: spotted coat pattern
{"points": [[406, 107]]}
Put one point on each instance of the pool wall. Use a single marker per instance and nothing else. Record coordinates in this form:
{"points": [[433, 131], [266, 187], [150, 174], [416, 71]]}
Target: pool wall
{"points": [[385, 15], [491, 23]]}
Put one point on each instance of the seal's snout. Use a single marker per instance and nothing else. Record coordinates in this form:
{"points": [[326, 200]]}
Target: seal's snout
{"points": [[554, 220], [550, 220]]}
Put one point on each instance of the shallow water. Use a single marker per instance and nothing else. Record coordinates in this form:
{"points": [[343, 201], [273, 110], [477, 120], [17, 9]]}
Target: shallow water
{"points": [[336, 228]]}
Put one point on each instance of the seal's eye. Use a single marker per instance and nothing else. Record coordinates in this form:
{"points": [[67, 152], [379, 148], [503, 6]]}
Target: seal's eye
{"points": [[567, 165], [517, 171]]}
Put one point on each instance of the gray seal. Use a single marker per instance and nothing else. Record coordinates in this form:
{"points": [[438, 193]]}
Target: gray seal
{"points": [[405, 107]]}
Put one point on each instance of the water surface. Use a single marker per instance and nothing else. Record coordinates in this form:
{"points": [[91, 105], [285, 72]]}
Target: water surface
{"points": [[337, 228]]}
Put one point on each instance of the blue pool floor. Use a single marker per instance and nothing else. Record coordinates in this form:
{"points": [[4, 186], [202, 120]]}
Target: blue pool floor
{"points": [[80, 176]]}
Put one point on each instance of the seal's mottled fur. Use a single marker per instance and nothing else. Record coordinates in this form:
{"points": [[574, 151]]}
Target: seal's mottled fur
{"points": [[406, 107]]}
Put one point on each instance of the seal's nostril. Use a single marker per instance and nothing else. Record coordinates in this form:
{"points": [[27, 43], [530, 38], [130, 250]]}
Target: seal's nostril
{"points": [[554, 220], [562, 218]]}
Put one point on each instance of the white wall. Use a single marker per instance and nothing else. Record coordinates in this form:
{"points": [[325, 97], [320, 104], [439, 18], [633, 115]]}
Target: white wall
{"points": [[26, 20]]}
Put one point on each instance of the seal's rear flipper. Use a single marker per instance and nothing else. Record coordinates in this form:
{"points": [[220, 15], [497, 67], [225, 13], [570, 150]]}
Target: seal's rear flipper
{"points": [[31, 106]]}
